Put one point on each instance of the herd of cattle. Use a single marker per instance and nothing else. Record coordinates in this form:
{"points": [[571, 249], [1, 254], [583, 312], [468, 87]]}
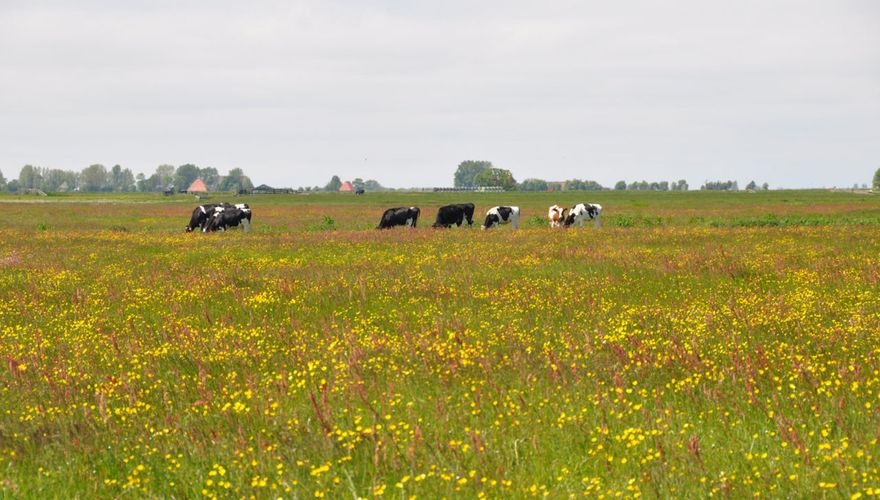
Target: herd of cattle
{"points": [[210, 218], [459, 213]]}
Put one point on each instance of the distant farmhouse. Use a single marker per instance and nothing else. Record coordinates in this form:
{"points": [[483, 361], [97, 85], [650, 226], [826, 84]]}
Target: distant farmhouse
{"points": [[198, 186]]}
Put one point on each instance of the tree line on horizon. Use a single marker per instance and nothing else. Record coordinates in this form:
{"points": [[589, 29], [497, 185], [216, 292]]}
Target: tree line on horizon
{"points": [[98, 178], [478, 173]]}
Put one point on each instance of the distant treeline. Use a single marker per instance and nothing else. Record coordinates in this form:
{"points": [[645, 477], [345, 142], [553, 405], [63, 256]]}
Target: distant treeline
{"points": [[483, 174], [358, 183], [98, 178]]}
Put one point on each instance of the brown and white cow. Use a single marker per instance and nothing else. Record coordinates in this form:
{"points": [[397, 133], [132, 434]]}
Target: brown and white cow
{"points": [[556, 215]]}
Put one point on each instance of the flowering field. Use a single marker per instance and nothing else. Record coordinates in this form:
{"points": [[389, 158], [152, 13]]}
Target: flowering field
{"points": [[697, 344]]}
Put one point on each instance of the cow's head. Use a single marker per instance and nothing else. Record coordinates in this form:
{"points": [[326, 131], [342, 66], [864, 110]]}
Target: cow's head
{"points": [[569, 219], [491, 220]]}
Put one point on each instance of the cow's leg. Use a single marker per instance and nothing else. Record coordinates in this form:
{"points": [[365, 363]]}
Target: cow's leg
{"points": [[598, 222], [246, 225]]}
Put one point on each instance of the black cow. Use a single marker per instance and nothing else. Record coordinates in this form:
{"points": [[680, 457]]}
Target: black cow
{"points": [[400, 216], [455, 214], [224, 218], [359, 191]]}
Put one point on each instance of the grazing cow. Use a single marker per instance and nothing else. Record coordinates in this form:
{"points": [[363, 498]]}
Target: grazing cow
{"points": [[455, 214], [400, 216], [224, 218], [583, 212], [200, 216], [203, 213], [557, 215], [359, 191], [502, 215]]}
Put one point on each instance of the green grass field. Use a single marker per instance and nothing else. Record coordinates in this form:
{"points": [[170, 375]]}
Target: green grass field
{"points": [[697, 344]]}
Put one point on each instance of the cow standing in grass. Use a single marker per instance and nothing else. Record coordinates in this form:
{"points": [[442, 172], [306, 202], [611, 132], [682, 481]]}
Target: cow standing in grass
{"points": [[583, 212], [400, 216], [502, 215], [224, 218], [455, 214], [201, 214], [557, 215]]}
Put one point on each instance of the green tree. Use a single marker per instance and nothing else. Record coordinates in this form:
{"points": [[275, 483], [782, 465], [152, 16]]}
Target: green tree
{"points": [[876, 182], [534, 185], [465, 175], [2, 182], [246, 184], [93, 178], [58, 180], [29, 177], [211, 178], [496, 177], [232, 180], [751, 186], [127, 181], [236, 181], [620, 186], [185, 175], [373, 185], [334, 184], [579, 185], [164, 177]]}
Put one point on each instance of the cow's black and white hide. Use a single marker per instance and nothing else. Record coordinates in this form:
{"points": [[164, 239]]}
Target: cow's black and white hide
{"points": [[502, 215], [583, 212], [400, 216], [202, 213], [455, 214], [224, 218]]}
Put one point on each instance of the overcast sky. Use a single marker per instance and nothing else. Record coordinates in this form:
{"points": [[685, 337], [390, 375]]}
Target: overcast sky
{"points": [[786, 92]]}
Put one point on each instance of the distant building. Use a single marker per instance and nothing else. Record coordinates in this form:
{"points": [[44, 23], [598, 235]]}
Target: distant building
{"points": [[346, 187], [198, 186]]}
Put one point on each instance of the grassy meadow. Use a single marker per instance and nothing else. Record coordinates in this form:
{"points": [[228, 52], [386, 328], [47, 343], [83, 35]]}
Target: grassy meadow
{"points": [[697, 344]]}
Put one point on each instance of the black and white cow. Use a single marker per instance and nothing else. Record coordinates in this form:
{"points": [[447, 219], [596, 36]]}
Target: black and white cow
{"points": [[502, 215], [200, 216], [455, 214], [202, 213], [583, 212], [224, 218], [400, 216]]}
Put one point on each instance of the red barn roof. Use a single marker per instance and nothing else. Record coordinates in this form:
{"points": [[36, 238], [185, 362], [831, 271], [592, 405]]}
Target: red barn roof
{"points": [[198, 186], [346, 186]]}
